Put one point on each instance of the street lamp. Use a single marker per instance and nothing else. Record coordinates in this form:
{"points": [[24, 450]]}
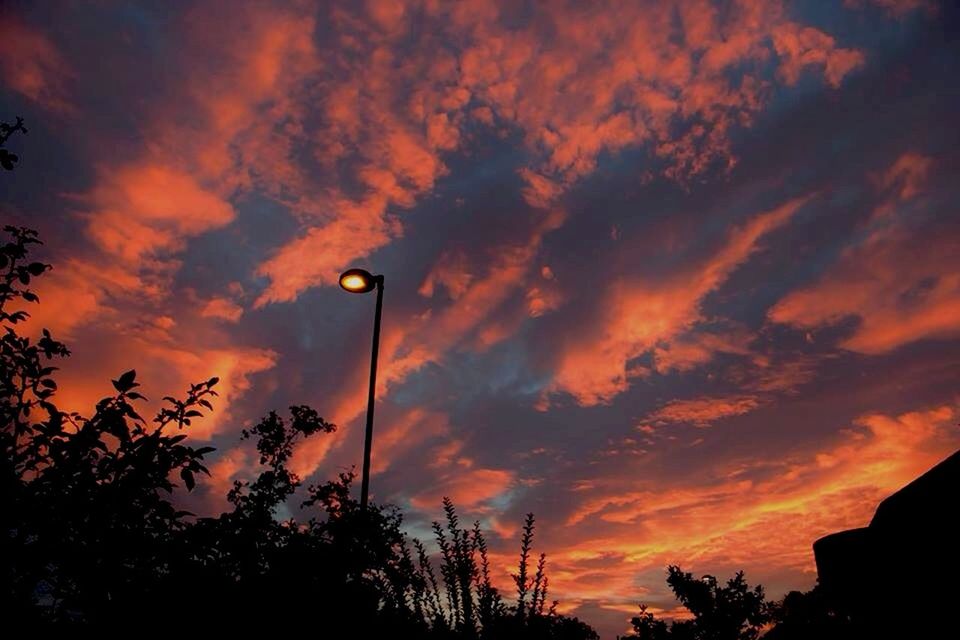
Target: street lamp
{"points": [[362, 281]]}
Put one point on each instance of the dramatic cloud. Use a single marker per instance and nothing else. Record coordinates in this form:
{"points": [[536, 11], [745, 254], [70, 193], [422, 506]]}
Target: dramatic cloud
{"points": [[140, 212], [901, 286], [389, 117], [468, 488], [167, 367], [695, 349], [800, 47], [681, 277], [754, 514], [426, 338], [901, 280], [637, 315], [223, 309]]}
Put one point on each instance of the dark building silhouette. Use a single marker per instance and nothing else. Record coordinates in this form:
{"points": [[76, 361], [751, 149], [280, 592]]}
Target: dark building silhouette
{"points": [[903, 570]]}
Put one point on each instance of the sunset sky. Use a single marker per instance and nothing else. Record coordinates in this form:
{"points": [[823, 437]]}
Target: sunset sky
{"points": [[682, 278]]}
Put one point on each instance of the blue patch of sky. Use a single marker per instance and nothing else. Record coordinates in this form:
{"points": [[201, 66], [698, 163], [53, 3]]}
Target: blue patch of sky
{"points": [[232, 253]]}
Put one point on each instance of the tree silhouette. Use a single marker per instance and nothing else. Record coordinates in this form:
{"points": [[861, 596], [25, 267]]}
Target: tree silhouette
{"points": [[810, 615], [86, 500], [732, 611], [92, 536]]}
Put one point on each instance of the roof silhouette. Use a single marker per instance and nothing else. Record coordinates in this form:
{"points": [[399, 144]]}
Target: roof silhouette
{"points": [[906, 560], [923, 500]]}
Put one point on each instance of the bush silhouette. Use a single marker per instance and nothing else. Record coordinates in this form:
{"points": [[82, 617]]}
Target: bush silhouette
{"points": [[811, 615], [93, 538], [9, 160], [736, 611], [87, 512], [732, 611]]}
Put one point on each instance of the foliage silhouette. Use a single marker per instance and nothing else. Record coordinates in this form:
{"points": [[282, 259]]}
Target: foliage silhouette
{"points": [[86, 512], [810, 615], [9, 160], [736, 611], [92, 536], [720, 612]]}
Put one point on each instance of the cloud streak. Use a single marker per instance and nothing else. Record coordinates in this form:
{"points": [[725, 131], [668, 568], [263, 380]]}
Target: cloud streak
{"points": [[638, 315], [899, 280]]}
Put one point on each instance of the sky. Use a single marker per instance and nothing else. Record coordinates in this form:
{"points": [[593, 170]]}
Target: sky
{"points": [[680, 277]]}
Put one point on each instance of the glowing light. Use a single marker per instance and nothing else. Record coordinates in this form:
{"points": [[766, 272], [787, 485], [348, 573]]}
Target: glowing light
{"points": [[357, 280], [353, 283]]}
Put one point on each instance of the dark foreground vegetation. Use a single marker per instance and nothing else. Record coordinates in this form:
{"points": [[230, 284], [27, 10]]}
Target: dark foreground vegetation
{"points": [[92, 538]]}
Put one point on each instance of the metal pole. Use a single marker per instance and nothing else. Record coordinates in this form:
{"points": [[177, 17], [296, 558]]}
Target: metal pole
{"points": [[368, 438]]}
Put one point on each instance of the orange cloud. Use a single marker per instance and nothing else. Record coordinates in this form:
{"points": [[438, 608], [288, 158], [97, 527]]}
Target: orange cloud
{"points": [[907, 176], [246, 112], [232, 465], [391, 112], [77, 292], [800, 47], [626, 87], [234, 365], [144, 210], [703, 411], [406, 346], [402, 165], [32, 65], [469, 489], [451, 272], [324, 252], [901, 281], [399, 437], [164, 368], [758, 514], [205, 143], [209, 139], [697, 348], [393, 153], [222, 309], [639, 315], [543, 299]]}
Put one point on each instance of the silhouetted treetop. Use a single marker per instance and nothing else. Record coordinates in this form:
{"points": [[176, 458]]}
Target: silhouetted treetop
{"points": [[731, 611], [9, 160], [93, 536]]}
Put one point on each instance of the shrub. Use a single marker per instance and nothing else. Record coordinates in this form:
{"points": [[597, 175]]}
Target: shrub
{"points": [[92, 535]]}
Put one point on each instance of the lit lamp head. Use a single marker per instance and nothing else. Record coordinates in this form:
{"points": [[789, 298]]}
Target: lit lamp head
{"points": [[358, 280]]}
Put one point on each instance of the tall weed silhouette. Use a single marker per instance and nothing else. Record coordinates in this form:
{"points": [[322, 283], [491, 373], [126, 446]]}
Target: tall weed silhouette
{"points": [[93, 536]]}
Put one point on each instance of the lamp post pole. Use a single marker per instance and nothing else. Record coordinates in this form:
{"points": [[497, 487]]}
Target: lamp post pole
{"points": [[371, 398]]}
